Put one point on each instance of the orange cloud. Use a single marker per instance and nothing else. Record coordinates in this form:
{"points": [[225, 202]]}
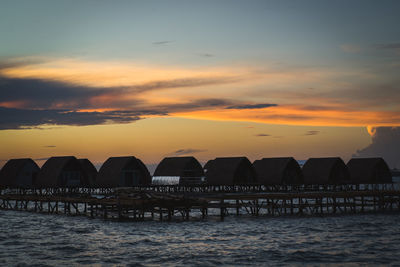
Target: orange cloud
{"points": [[13, 104], [111, 74], [297, 115], [294, 96]]}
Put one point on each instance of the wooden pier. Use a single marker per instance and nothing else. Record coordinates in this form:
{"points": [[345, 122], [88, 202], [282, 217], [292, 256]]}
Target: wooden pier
{"points": [[167, 203]]}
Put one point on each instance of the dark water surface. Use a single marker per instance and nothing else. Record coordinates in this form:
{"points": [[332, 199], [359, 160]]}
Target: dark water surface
{"points": [[34, 239]]}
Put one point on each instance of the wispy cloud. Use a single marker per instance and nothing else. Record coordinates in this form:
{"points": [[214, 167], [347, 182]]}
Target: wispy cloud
{"points": [[161, 42], [206, 55], [312, 133], [187, 151], [252, 106], [50, 146], [262, 135], [11, 118]]}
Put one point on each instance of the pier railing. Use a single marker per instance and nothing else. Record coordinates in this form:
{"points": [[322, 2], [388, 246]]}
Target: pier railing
{"points": [[178, 189]]}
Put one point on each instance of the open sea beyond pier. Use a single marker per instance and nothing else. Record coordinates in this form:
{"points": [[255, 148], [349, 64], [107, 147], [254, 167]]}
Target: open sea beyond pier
{"points": [[31, 239]]}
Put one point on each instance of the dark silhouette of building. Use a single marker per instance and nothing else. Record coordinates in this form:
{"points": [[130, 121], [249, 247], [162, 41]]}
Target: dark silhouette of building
{"points": [[179, 170], [90, 171], [278, 171], [230, 171], [369, 171], [62, 172], [123, 172], [18, 173], [326, 171]]}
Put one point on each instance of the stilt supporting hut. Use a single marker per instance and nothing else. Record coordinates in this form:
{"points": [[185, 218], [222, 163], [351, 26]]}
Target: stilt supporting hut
{"points": [[62, 172], [90, 171], [19, 173], [179, 171], [326, 171], [278, 171], [123, 172], [369, 171], [230, 171]]}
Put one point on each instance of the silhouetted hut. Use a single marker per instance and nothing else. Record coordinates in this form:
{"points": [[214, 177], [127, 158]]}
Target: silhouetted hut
{"points": [[230, 171], [90, 170], [62, 172], [325, 171], [19, 173], [123, 172], [278, 171], [178, 170], [369, 171]]}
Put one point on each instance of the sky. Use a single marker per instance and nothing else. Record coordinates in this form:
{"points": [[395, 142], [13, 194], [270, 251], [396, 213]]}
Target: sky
{"points": [[207, 79]]}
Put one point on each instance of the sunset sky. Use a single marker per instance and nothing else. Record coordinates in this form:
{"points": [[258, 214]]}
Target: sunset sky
{"points": [[153, 79]]}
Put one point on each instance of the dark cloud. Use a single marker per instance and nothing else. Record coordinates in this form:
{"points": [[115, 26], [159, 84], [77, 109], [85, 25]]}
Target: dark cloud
{"points": [[195, 105], [206, 55], [11, 118], [6, 63], [161, 42], [262, 135], [35, 93], [312, 132], [385, 144], [188, 151], [16, 118], [30, 103], [51, 146], [251, 106], [391, 46]]}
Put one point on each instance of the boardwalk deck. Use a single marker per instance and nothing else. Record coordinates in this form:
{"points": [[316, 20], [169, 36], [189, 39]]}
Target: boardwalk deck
{"points": [[186, 203]]}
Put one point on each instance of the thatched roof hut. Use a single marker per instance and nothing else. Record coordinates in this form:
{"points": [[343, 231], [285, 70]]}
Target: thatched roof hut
{"points": [[19, 173], [90, 170], [62, 172], [325, 171], [123, 172], [369, 171], [278, 171], [179, 170], [229, 171]]}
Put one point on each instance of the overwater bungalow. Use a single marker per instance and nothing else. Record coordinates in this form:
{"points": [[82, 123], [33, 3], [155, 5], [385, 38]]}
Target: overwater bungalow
{"points": [[90, 171], [369, 171], [325, 171], [230, 171], [19, 173], [123, 172], [278, 171], [62, 172], [179, 171]]}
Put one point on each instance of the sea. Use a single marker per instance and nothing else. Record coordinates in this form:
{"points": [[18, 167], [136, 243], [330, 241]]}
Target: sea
{"points": [[31, 239]]}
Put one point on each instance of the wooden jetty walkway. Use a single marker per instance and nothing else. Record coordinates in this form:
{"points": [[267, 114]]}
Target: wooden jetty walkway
{"points": [[166, 203]]}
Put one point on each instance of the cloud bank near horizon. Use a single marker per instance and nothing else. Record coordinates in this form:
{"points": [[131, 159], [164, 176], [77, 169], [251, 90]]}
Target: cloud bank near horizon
{"points": [[385, 144], [45, 91]]}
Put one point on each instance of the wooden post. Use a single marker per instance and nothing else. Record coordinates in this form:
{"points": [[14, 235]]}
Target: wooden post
{"points": [[222, 211], [291, 206]]}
